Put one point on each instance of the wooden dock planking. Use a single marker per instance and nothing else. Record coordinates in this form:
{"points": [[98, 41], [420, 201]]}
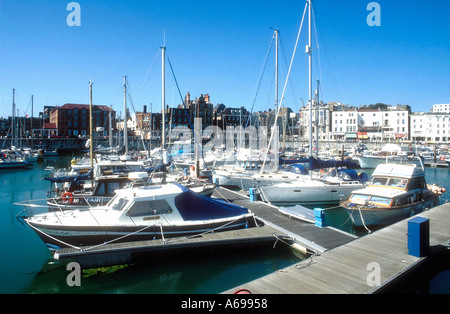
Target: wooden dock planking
{"points": [[305, 233], [345, 268]]}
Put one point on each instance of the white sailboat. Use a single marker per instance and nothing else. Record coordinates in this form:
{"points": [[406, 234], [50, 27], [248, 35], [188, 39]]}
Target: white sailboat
{"points": [[329, 189]]}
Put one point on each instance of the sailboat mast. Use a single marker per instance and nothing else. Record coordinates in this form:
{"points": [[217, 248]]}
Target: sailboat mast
{"points": [[13, 120], [276, 69], [31, 124], [125, 118], [309, 51], [163, 78], [110, 129], [91, 131]]}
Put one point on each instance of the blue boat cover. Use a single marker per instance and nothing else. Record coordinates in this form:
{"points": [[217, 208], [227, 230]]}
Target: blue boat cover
{"points": [[321, 164], [194, 206], [297, 168]]}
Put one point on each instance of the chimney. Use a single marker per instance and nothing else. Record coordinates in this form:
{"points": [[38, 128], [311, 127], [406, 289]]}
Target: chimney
{"points": [[206, 97], [145, 108], [188, 98]]}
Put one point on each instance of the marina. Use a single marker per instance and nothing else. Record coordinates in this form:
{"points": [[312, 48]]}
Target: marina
{"points": [[267, 244], [295, 196]]}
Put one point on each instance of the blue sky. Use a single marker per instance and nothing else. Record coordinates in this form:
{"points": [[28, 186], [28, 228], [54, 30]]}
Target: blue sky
{"points": [[219, 48]]}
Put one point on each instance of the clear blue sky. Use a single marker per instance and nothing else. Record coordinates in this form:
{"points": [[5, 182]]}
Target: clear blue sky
{"points": [[219, 48]]}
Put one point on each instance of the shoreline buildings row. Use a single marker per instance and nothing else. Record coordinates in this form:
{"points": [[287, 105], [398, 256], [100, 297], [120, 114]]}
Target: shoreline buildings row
{"points": [[335, 121]]}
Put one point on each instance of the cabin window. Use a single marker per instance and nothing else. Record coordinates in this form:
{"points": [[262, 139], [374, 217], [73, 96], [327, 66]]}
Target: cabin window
{"points": [[379, 181], [148, 208], [117, 203], [414, 184], [396, 182], [380, 200], [112, 186], [101, 189]]}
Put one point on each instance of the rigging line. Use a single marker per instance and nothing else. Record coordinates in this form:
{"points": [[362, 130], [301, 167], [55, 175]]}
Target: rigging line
{"points": [[247, 119], [258, 85], [148, 73], [285, 83], [132, 105], [196, 142], [292, 84]]}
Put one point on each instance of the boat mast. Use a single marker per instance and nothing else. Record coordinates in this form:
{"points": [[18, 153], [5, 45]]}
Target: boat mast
{"points": [[276, 69], [309, 52], [91, 147], [13, 120], [110, 130], [31, 124], [163, 79], [125, 131], [317, 118]]}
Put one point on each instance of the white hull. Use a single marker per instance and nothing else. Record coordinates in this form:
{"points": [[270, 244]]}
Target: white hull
{"points": [[246, 180], [307, 192], [371, 162], [380, 216]]}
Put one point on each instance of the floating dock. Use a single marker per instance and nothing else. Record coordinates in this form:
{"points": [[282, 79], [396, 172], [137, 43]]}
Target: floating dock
{"points": [[129, 252], [371, 264], [303, 232]]}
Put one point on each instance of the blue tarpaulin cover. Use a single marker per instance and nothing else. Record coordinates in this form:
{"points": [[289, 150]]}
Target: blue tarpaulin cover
{"points": [[194, 206]]}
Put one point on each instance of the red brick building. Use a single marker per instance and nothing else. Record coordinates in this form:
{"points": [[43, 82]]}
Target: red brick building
{"points": [[72, 120]]}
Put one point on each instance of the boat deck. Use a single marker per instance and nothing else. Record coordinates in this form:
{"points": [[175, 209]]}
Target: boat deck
{"points": [[349, 268]]}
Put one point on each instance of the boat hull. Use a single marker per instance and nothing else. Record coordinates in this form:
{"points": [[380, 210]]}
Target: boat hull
{"points": [[304, 194], [386, 216], [56, 237]]}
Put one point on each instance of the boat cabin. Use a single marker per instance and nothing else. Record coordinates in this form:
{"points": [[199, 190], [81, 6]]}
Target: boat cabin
{"points": [[392, 185]]}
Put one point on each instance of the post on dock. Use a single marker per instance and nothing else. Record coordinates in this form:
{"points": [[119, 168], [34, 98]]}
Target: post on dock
{"points": [[418, 236], [319, 215], [253, 196]]}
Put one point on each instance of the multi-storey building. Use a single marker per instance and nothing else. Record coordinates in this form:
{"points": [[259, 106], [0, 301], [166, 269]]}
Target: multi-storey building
{"points": [[323, 125], [441, 108], [73, 119], [430, 127]]}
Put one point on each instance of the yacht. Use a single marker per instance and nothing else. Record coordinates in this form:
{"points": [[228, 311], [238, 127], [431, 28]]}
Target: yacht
{"points": [[143, 213], [394, 193], [333, 187], [390, 153]]}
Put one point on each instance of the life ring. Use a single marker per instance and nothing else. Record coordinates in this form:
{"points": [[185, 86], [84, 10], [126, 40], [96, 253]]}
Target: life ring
{"points": [[68, 197], [193, 168]]}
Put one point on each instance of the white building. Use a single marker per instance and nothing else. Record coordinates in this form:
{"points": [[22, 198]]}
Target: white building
{"points": [[430, 127], [345, 124], [323, 122], [441, 108]]}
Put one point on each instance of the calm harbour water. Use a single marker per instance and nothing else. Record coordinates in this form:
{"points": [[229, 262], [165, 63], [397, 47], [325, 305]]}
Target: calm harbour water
{"points": [[26, 265]]}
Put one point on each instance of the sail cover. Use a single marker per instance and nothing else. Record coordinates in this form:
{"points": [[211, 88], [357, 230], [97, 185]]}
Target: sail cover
{"points": [[193, 206]]}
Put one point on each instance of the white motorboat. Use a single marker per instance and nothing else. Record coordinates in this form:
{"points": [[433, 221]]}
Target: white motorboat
{"points": [[145, 213], [390, 153], [394, 193], [331, 188]]}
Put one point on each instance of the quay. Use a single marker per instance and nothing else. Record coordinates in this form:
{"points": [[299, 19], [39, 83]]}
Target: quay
{"points": [[350, 268], [274, 226]]}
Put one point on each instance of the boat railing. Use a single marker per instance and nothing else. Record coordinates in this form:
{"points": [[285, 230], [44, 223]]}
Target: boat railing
{"points": [[74, 200], [41, 206]]}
